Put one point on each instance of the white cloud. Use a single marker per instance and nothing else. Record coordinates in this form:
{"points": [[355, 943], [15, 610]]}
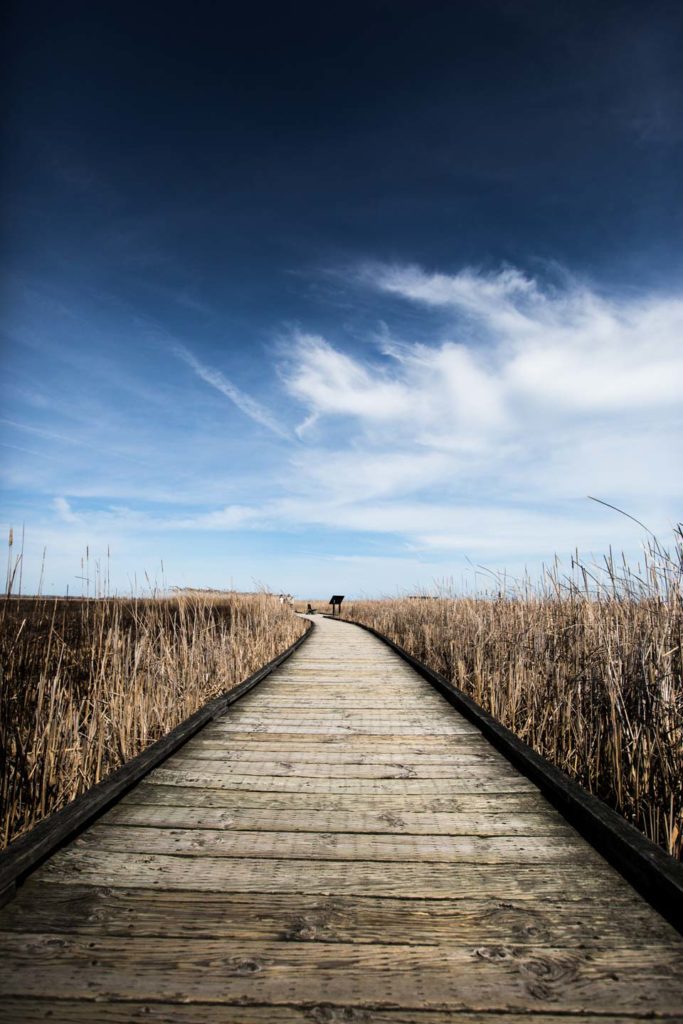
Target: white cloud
{"points": [[245, 403], [528, 397], [568, 345], [332, 383], [478, 438], [501, 293], [64, 511]]}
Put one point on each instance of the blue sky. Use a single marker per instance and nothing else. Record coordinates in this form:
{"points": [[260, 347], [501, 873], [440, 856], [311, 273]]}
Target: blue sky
{"points": [[347, 297]]}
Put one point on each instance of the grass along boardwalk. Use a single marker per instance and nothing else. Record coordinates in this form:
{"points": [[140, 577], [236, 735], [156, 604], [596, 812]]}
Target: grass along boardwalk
{"points": [[342, 845]]}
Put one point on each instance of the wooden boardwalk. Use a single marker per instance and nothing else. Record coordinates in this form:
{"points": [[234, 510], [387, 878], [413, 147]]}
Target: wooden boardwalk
{"points": [[342, 846]]}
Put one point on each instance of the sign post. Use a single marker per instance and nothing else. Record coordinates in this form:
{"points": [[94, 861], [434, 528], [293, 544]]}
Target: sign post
{"points": [[336, 601]]}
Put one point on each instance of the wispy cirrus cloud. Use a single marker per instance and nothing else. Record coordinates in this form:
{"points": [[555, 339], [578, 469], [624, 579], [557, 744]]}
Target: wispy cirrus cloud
{"points": [[468, 429], [526, 395], [568, 344], [333, 383], [244, 402]]}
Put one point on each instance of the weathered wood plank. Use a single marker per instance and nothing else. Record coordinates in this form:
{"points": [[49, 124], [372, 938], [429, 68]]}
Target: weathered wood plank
{"points": [[408, 689], [88, 910], [321, 687], [344, 741], [267, 819], [29, 1010], [204, 779], [327, 759], [366, 731], [480, 803], [312, 846], [480, 768], [421, 977], [433, 725], [335, 715], [372, 878], [385, 678], [324, 753], [398, 703]]}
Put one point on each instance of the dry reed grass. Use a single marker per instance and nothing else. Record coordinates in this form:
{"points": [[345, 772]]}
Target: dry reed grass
{"points": [[88, 684], [585, 669], [319, 605]]}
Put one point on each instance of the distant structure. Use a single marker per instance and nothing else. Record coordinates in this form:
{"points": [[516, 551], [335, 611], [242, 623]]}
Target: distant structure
{"points": [[336, 601]]}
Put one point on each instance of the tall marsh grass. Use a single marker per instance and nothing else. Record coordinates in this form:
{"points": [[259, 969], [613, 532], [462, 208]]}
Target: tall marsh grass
{"points": [[88, 684], [585, 669]]}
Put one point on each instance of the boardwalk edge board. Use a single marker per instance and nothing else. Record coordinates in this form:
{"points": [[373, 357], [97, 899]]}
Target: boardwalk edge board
{"points": [[652, 872], [29, 851]]}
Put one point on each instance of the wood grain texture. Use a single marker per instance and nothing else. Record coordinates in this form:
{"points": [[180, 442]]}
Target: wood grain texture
{"points": [[313, 846], [340, 846], [32, 1011], [267, 819], [397, 769], [491, 977], [487, 768], [346, 741], [324, 753], [488, 803], [411, 880], [297, 917], [204, 778]]}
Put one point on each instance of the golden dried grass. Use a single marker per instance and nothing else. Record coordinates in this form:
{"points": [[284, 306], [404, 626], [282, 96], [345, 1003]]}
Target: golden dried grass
{"points": [[88, 684]]}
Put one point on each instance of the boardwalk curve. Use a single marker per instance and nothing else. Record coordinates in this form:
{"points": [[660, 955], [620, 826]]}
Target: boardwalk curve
{"points": [[340, 846]]}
